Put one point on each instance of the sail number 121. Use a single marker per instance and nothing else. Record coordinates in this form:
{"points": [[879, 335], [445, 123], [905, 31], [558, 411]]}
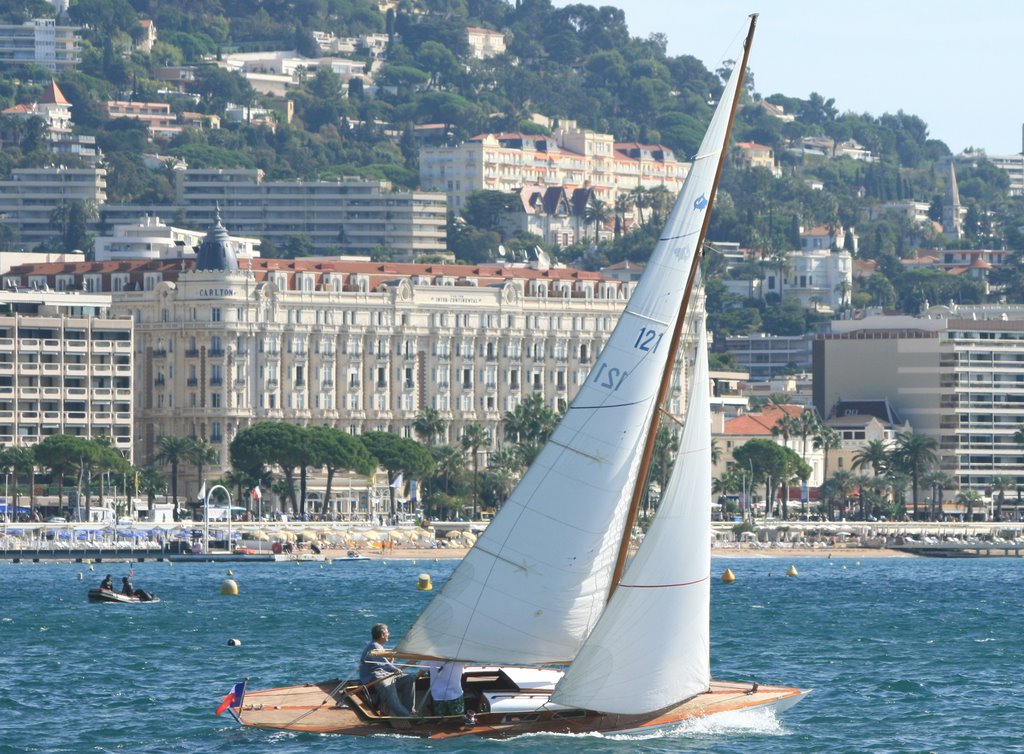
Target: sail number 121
{"points": [[648, 340]]}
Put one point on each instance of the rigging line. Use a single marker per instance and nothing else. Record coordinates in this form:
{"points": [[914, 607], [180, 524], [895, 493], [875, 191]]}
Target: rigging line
{"points": [[604, 405], [665, 586], [681, 235]]}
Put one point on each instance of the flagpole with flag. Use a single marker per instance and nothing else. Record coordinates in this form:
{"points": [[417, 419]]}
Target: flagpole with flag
{"points": [[233, 699], [258, 497], [396, 486]]}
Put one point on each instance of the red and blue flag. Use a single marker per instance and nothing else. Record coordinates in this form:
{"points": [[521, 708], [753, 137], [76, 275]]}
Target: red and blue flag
{"points": [[232, 699]]}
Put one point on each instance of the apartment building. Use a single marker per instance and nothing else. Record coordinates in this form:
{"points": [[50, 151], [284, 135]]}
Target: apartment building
{"points": [[1013, 164], [764, 356], [572, 157], [955, 373], [157, 117], [357, 345], [66, 366], [349, 216], [42, 42], [29, 197]]}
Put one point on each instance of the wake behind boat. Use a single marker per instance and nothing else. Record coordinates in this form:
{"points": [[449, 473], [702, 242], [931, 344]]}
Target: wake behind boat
{"points": [[542, 611]]}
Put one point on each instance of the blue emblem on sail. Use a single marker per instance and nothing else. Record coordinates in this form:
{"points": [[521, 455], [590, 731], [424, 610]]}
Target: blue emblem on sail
{"points": [[701, 202]]}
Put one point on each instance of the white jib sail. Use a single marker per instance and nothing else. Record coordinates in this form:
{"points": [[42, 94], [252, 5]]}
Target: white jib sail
{"points": [[533, 586], [651, 648]]}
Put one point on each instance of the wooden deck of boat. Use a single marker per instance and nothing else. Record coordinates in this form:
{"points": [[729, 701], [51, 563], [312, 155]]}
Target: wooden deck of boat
{"points": [[326, 707]]}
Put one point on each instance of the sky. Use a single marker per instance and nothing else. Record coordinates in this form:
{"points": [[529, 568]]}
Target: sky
{"points": [[959, 66]]}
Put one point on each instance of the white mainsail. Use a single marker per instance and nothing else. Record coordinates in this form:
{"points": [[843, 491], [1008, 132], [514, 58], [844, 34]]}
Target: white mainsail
{"points": [[533, 586], [651, 648]]}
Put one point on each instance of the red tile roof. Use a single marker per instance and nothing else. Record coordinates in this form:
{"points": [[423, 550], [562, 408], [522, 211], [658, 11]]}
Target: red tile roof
{"points": [[761, 422], [52, 95]]}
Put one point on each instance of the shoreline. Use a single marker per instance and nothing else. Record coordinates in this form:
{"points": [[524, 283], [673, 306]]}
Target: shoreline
{"points": [[457, 553]]}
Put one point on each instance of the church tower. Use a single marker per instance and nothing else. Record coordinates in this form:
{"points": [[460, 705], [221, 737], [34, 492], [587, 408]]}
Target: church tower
{"points": [[952, 211]]}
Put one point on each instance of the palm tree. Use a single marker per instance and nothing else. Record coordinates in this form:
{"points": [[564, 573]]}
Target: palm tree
{"points": [[806, 426], [843, 289], [786, 426], [474, 437], [969, 498], [201, 454], [837, 488], [173, 450], [640, 199], [622, 204], [781, 262], [150, 482], [943, 481], [1000, 485], [827, 439], [449, 460], [874, 455], [661, 200], [429, 426], [22, 461], [530, 425], [915, 453], [596, 214]]}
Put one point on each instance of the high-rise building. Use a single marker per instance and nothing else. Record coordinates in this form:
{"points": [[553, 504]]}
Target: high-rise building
{"points": [[29, 197], [66, 367], [349, 216], [42, 42], [955, 374]]}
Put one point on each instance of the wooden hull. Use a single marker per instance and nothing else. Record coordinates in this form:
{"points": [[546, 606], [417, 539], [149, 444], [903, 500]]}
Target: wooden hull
{"points": [[333, 707]]}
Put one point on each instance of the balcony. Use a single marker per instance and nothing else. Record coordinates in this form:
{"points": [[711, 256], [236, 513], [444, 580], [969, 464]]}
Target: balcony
{"points": [[159, 353], [159, 382], [191, 353], [216, 381], [192, 382], [216, 352]]}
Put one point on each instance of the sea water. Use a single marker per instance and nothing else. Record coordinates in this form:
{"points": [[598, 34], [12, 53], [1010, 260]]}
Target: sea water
{"points": [[902, 654]]}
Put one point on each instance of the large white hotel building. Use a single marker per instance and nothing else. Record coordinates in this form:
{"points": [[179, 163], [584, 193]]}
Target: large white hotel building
{"points": [[352, 344], [571, 157]]}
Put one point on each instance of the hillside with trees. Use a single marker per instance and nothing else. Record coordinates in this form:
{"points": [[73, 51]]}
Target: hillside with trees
{"points": [[578, 62]]}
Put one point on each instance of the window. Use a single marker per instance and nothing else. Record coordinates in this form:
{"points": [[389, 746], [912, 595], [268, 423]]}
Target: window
{"points": [[215, 314]]}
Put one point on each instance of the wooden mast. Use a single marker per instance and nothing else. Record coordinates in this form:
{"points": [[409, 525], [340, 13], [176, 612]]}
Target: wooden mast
{"points": [[673, 354]]}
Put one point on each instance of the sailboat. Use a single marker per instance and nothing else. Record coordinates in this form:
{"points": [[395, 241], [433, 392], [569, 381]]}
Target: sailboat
{"points": [[556, 633]]}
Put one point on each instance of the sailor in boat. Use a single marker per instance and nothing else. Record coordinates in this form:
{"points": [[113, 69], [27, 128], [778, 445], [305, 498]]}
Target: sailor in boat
{"points": [[126, 587], [383, 678], [447, 698], [107, 583]]}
